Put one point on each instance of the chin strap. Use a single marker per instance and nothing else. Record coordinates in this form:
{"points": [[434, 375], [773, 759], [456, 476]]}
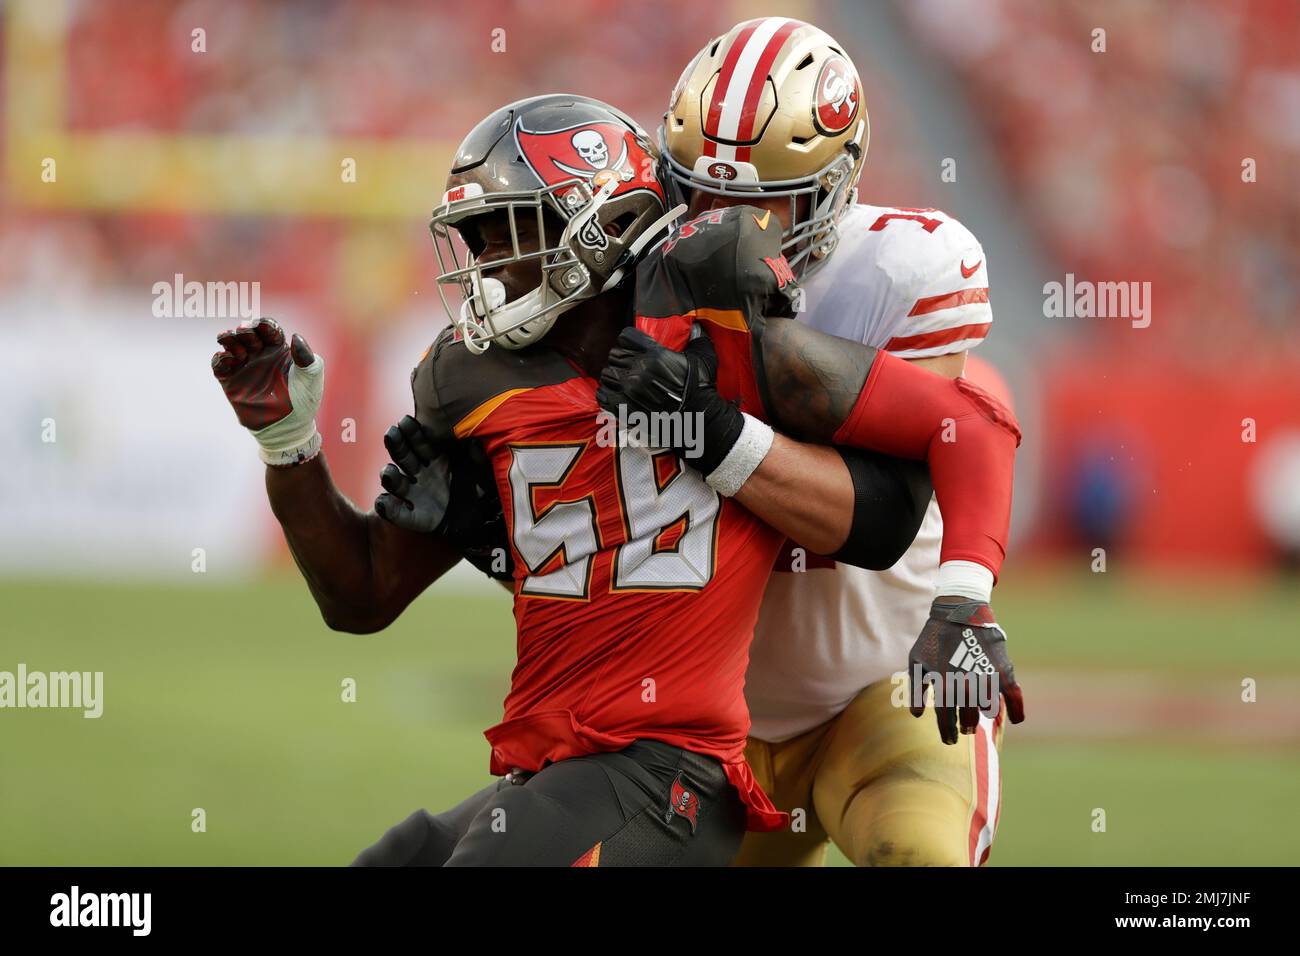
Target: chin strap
{"points": [[490, 293], [630, 254]]}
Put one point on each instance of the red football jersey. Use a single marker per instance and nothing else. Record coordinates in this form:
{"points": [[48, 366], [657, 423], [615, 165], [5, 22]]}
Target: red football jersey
{"points": [[636, 585]]}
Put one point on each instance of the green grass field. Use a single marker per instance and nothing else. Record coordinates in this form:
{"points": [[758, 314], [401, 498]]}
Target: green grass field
{"points": [[228, 698]]}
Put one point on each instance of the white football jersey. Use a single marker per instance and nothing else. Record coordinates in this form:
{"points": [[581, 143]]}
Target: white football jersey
{"points": [[912, 282]]}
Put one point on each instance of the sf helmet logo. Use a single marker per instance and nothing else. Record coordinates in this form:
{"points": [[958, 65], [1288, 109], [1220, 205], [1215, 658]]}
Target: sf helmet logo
{"points": [[722, 171], [836, 102], [683, 802]]}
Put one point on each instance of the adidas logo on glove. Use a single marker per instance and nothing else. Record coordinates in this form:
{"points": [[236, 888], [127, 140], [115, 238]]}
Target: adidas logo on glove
{"points": [[970, 656]]}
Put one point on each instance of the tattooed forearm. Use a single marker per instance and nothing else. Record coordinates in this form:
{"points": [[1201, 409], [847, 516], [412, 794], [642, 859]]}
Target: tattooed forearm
{"points": [[811, 380]]}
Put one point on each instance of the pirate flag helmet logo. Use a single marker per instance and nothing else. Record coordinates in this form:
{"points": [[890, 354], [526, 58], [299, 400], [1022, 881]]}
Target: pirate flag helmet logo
{"points": [[597, 152]]}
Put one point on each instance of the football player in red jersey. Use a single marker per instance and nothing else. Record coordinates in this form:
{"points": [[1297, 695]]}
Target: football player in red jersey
{"points": [[636, 584]]}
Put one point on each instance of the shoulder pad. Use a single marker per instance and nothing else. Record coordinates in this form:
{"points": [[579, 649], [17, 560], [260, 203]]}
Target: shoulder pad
{"points": [[917, 257], [724, 260], [451, 382]]}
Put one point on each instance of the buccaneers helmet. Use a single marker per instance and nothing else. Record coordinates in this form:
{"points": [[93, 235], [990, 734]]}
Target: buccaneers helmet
{"points": [[773, 106], [585, 174]]}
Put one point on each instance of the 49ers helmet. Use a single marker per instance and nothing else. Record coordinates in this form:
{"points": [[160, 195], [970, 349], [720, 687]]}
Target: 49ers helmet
{"points": [[773, 106], [576, 162]]}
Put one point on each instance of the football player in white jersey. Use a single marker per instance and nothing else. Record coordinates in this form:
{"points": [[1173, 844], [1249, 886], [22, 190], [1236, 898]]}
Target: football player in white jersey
{"points": [[770, 114]]}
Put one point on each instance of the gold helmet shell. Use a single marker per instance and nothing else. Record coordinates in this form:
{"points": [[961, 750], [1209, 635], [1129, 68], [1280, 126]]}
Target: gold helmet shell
{"points": [[773, 106]]}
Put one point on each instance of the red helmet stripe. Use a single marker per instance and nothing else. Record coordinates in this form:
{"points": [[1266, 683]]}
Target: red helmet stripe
{"points": [[724, 80], [757, 80]]}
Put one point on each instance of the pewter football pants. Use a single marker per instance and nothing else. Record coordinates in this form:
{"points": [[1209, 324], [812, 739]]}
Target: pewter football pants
{"points": [[651, 804]]}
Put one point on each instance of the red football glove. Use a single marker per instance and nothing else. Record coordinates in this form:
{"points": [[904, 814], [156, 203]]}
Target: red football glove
{"points": [[275, 388]]}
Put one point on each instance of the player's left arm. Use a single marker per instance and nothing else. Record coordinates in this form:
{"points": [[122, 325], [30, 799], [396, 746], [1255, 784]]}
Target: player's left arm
{"points": [[856, 506], [823, 389]]}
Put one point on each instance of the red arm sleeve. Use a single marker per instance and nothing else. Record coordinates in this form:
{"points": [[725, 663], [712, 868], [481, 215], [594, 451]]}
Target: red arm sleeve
{"points": [[965, 435]]}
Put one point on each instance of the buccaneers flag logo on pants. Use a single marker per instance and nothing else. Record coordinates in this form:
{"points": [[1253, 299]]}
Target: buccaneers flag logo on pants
{"points": [[683, 802]]}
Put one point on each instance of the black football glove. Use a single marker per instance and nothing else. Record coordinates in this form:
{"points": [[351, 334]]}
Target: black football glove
{"points": [[417, 483], [644, 376], [963, 653], [440, 486]]}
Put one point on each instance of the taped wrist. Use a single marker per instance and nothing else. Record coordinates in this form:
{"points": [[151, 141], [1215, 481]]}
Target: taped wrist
{"points": [[292, 452], [964, 579], [294, 439]]}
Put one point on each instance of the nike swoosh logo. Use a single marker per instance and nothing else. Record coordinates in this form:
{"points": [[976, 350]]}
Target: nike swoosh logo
{"points": [[762, 223], [967, 273]]}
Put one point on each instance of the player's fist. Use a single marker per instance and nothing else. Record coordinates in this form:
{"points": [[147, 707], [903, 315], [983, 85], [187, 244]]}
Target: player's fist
{"points": [[963, 653], [274, 386], [643, 376]]}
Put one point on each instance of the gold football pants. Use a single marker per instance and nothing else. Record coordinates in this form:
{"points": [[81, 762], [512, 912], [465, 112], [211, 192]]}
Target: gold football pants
{"points": [[882, 785]]}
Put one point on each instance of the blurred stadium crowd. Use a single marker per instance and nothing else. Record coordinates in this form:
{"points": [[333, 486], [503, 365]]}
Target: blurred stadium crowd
{"points": [[1166, 158], [1126, 165], [1140, 161]]}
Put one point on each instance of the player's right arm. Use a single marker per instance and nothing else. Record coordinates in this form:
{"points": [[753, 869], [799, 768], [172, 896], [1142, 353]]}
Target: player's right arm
{"points": [[824, 389], [862, 507], [831, 390], [724, 272], [362, 570]]}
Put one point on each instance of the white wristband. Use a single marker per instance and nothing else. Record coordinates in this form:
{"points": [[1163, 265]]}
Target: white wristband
{"points": [[964, 579], [745, 456]]}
